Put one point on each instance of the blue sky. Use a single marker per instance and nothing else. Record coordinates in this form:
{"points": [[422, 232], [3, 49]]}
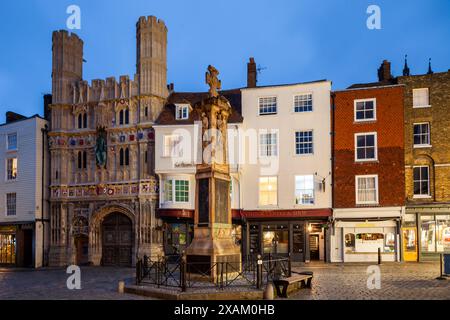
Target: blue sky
{"points": [[295, 40]]}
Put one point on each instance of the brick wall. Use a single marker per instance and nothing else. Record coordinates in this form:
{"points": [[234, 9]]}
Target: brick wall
{"points": [[437, 157], [390, 139]]}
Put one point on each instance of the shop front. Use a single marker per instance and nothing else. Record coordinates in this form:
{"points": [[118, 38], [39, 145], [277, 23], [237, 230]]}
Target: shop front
{"points": [[17, 245], [426, 233], [358, 234], [178, 230], [360, 241], [304, 238]]}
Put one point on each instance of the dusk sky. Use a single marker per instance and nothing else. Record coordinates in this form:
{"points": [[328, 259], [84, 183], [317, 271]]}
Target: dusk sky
{"points": [[295, 41]]}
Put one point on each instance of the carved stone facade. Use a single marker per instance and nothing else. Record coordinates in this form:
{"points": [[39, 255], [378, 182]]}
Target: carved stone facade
{"points": [[102, 149]]}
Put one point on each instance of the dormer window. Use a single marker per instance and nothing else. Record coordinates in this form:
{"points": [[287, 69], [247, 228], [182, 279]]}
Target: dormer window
{"points": [[182, 112]]}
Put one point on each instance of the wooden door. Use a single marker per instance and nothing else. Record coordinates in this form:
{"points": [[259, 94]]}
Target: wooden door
{"points": [[314, 247], [117, 240]]}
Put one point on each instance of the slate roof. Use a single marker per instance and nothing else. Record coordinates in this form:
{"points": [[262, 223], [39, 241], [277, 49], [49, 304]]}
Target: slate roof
{"points": [[167, 115]]}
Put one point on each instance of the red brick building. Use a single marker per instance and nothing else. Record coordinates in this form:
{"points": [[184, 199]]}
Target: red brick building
{"points": [[368, 170]]}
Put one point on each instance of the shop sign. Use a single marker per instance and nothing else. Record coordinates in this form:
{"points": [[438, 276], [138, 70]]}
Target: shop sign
{"points": [[366, 225]]}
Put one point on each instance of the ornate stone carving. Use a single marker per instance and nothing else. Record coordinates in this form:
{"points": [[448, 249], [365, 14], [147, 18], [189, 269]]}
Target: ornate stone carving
{"points": [[214, 83]]}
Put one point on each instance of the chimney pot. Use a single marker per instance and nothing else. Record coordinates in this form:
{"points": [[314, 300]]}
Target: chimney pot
{"points": [[384, 72]]}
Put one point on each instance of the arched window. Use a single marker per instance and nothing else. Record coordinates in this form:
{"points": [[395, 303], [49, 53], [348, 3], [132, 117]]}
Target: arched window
{"points": [[127, 116], [146, 111], [80, 121], [127, 157], [85, 120], [121, 156], [84, 159], [121, 117], [124, 116], [80, 164]]}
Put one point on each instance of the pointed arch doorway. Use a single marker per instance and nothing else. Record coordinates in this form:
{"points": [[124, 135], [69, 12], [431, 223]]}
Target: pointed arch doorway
{"points": [[117, 240]]}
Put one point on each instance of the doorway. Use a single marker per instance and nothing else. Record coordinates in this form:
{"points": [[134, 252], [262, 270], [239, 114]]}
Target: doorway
{"points": [[27, 248], [7, 249], [314, 252], [410, 244], [117, 240], [82, 247]]}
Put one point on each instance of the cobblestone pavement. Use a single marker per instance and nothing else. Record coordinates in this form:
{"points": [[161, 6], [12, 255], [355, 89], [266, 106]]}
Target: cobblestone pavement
{"points": [[96, 284], [399, 281], [331, 281]]}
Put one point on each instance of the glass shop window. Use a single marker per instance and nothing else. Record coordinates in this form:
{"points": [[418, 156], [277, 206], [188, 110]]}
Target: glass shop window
{"points": [[350, 240], [389, 242]]}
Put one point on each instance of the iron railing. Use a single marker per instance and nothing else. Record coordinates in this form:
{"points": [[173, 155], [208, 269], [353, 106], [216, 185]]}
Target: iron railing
{"points": [[174, 271]]}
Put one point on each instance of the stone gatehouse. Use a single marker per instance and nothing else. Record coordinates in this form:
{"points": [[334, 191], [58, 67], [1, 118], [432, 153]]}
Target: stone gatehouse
{"points": [[103, 189]]}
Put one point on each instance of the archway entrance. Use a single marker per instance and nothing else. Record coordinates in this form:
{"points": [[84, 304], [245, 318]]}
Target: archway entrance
{"points": [[117, 240]]}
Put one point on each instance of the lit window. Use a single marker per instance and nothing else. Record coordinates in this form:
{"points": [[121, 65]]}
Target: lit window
{"points": [[304, 142], [421, 98], [268, 191], [268, 144], [182, 112], [267, 105], [10, 204], [421, 181], [365, 110], [11, 167], [366, 146], [12, 141], [366, 189], [304, 189], [303, 103], [421, 134]]}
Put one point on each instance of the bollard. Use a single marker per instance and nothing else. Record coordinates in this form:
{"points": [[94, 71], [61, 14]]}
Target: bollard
{"points": [[259, 272], [268, 293], [121, 288], [289, 266], [183, 273]]}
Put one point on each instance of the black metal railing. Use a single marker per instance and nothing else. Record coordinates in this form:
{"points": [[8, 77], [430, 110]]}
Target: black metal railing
{"points": [[176, 272]]}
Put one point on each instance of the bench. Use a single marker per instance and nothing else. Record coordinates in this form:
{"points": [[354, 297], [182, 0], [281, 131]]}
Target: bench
{"points": [[304, 280]]}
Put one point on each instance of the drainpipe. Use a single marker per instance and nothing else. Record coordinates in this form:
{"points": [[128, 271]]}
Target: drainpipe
{"points": [[44, 132], [333, 107]]}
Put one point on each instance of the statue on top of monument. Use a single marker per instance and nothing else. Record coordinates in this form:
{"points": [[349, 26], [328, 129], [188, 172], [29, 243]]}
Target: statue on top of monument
{"points": [[214, 83]]}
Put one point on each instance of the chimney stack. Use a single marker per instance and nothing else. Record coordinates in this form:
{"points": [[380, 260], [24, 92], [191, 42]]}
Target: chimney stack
{"points": [[384, 72], [12, 117], [251, 73], [47, 103]]}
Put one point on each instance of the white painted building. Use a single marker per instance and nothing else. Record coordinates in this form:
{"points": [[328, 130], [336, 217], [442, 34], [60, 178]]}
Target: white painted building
{"points": [[280, 159], [23, 191], [286, 179], [177, 151]]}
